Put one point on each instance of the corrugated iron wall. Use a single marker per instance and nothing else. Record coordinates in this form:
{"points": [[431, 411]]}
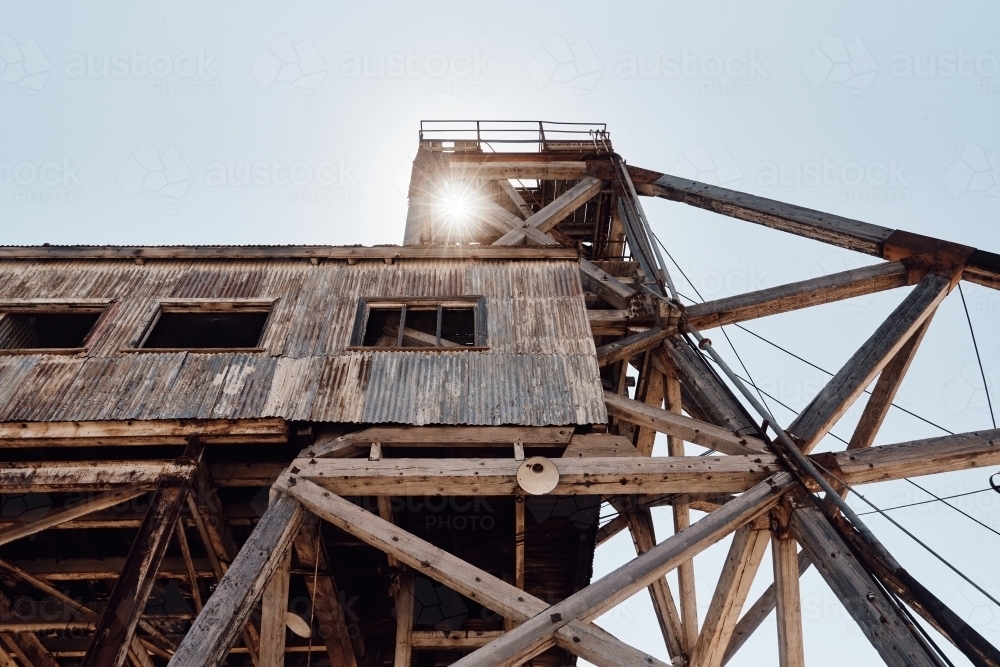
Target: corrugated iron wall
{"points": [[540, 368]]}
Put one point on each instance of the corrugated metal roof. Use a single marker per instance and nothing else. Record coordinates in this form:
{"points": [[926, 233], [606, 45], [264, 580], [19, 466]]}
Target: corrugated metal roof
{"points": [[540, 368]]}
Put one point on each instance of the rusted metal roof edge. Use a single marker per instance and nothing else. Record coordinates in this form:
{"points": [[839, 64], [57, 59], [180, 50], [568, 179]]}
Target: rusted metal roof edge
{"points": [[390, 252]]}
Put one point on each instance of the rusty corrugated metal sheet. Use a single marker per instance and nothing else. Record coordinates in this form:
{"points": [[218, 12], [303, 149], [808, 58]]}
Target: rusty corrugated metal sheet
{"points": [[540, 367]]}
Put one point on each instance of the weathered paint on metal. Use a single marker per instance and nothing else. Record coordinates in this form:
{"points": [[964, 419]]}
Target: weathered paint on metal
{"points": [[540, 368]]}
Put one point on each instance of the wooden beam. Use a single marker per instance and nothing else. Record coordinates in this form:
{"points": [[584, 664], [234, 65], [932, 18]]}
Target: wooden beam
{"points": [[192, 574], [745, 554], [616, 322], [25, 644], [132, 433], [795, 296], [889, 381], [832, 229], [452, 639], [506, 223], [68, 476], [404, 620], [467, 580], [843, 389], [556, 211], [652, 391], [227, 610], [515, 198], [640, 524], [682, 519], [66, 514], [519, 541], [530, 637], [863, 599], [786, 583], [127, 602], [577, 476], [628, 347], [520, 169], [323, 589], [686, 428], [758, 612], [274, 607], [613, 291]]}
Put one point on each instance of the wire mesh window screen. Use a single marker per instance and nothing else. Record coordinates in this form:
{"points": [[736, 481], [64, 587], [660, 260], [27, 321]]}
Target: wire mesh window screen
{"points": [[420, 325], [207, 330], [41, 331], [383, 327]]}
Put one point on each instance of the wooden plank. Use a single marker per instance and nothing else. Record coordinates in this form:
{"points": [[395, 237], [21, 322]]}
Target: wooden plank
{"points": [[116, 626], [192, 574], [274, 607], [67, 476], [519, 169], [745, 554], [323, 589], [404, 620], [652, 395], [24, 644], [795, 296], [640, 524], [616, 322], [530, 637], [613, 291], [227, 610], [784, 555], [686, 428], [757, 613], [451, 639], [488, 590], [505, 222], [519, 537], [577, 476], [682, 519], [515, 197], [472, 436], [865, 601], [132, 433], [832, 229], [66, 514], [889, 381], [860, 370], [628, 347], [556, 211]]}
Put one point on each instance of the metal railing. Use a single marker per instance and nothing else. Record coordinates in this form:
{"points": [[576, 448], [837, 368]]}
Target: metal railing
{"points": [[514, 135]]}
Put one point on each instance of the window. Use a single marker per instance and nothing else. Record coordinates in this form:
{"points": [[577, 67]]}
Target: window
{"points": [[207, 326], [45, 329], [445, 324]]}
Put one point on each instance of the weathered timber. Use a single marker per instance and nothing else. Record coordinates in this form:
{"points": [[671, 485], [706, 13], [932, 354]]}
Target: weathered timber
{"points": [[329, 612], [833, 229], [520, 168], [795, 296], [131, 433], [745, 555], [613, 291], [529, 638], [116, 626], [786, 588], [555, 212], [473, 436], [686, 428], [60, 476], [460, 576], [452, 639], [628, 347], [640, 525], [66, 514], [851, 380], [863, 599], [227, 610], [274, 606], [404, 620], [378, 253]]}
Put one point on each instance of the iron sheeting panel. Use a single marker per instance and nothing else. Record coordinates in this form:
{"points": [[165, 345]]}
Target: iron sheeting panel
{"points": [[540, 368]]}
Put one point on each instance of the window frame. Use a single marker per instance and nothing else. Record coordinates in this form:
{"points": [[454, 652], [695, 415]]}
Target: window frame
{"points": [[55, 306], [365, 305], [204, 306]]}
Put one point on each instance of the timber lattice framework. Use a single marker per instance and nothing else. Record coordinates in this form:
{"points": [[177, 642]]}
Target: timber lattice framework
{"points": [[488, 357]]}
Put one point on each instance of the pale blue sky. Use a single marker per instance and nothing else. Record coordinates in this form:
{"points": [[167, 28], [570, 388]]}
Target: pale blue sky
{"points": [[127, 124]]}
